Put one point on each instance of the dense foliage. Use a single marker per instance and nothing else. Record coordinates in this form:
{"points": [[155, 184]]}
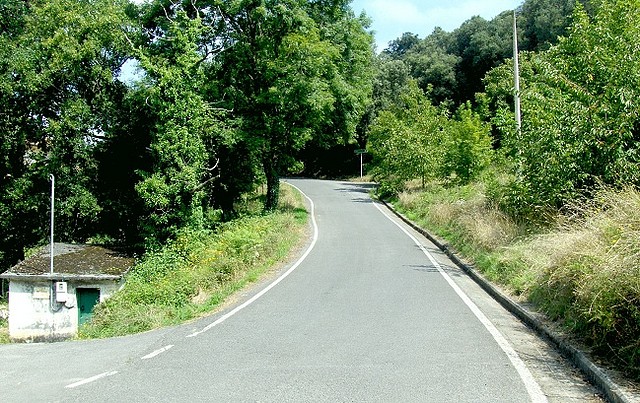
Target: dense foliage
{"points": [[227, 95], [579, 102], [581, 117], [451, 65], [414, 139], [58, 97]]}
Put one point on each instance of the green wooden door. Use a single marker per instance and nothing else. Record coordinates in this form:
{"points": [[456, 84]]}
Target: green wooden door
{"points": [[87, 299]]}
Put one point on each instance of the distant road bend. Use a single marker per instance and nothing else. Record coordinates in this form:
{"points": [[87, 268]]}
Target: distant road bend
{"points": [[371, 312]]}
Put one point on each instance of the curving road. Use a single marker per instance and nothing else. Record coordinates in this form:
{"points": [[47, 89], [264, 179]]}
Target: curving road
{"points": [[371, 312]]}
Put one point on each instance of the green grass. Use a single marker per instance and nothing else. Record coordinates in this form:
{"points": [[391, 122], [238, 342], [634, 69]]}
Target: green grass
{"points": [[582, 269], [197, 272], [4, 324]]}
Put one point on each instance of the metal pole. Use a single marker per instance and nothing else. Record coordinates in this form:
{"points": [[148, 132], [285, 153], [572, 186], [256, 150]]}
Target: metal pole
{"points": [[361, 166], [53, 181], [516, 74]]}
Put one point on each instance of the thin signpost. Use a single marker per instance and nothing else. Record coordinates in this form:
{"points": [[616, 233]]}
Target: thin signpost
{"points": [[516, 92], [516, 75], [361, 152], [53, 181]]}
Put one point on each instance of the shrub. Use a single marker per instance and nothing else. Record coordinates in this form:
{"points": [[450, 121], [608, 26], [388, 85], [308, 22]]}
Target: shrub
{"points": [[194, 273]]}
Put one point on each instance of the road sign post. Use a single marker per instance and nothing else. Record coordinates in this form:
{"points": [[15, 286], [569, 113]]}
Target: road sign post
{"points": [[360, 152]]}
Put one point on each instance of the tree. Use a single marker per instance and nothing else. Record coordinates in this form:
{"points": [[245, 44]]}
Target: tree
{"points": [[398, 48], [283, 78], [434, 69], [542, 22], [481, 46], [330, 149], [468, 148], [391, 80], [61, 60], [407, 139], [173, 189], [580, 111]]}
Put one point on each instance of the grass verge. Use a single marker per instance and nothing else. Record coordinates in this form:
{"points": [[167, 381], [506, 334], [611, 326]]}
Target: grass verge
{"points": [[194, 274], [4, 324], [582, 271]]}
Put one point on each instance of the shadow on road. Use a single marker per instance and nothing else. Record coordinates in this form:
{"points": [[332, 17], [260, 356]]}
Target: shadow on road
{"points": [[423, 268], [356, 187]]}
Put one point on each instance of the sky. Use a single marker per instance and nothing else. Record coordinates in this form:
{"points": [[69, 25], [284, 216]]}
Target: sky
{"points": [[392, 18]]}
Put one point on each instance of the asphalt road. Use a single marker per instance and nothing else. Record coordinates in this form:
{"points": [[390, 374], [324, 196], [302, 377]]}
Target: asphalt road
{"points": [[370, 312]]}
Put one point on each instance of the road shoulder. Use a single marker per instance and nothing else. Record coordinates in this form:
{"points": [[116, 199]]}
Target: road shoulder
{"points": [[611, 386]]}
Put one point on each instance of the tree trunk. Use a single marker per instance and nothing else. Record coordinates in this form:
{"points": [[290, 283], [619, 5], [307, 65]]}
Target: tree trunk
{"points": [[273, 184]]}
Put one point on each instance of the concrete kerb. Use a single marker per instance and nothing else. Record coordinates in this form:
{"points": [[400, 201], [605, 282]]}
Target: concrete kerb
{"points": [[612, 392]]}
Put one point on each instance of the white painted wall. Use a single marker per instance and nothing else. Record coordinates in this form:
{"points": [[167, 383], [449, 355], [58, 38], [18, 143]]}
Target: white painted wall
{"points": [[32, 317]]}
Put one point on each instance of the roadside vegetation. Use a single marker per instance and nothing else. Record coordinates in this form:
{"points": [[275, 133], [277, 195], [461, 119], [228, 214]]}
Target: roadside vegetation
{"points": [[4, 323], [194, 274], [582, 268], [550, 211]]}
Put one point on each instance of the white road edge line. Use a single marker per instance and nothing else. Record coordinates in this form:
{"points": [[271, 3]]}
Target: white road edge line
{"points": [[278, 280], [92, 379], [533, 389], [157, 352]]}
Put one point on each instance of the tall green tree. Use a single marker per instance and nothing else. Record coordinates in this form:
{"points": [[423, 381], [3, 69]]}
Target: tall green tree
{"points": [[398, 48], [481, 46], [542, 22], [173, 189], [391, 80], [407, 139], [283, 78], [62, 58], [330, 149], [468, 149], [434, 68], [580, 109]]}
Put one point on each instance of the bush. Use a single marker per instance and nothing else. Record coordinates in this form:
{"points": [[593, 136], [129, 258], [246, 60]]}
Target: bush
{"points": [[199, 269], [593, 283], [584, 272], [468, 147]]}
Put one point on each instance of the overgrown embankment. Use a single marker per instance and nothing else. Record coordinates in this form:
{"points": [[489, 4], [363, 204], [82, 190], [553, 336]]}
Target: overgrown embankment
{"points": [[192, 275], [582, 270]]}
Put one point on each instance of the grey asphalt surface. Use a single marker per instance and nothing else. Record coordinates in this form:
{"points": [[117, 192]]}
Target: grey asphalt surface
{"points": [[365, 317]]}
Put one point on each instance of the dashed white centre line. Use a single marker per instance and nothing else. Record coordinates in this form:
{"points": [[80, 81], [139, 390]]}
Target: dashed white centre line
{"points": [[92, 379], [157, 352]]}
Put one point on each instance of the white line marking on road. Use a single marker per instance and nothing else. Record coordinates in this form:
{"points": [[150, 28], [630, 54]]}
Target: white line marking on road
{"points": [[278, 280], [92, 379], [157, 352], [535, 393]]}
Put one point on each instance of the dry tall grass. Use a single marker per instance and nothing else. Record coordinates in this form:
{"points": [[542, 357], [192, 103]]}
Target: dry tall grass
{"points": [[592, 281], [464, 214], [585, 273]]}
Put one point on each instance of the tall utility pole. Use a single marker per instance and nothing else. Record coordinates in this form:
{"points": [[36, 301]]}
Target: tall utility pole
{"points": [[516, 75], [53, 185]]}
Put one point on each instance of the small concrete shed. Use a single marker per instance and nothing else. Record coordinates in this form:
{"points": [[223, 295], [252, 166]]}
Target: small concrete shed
{"points": [[50, 307]]}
